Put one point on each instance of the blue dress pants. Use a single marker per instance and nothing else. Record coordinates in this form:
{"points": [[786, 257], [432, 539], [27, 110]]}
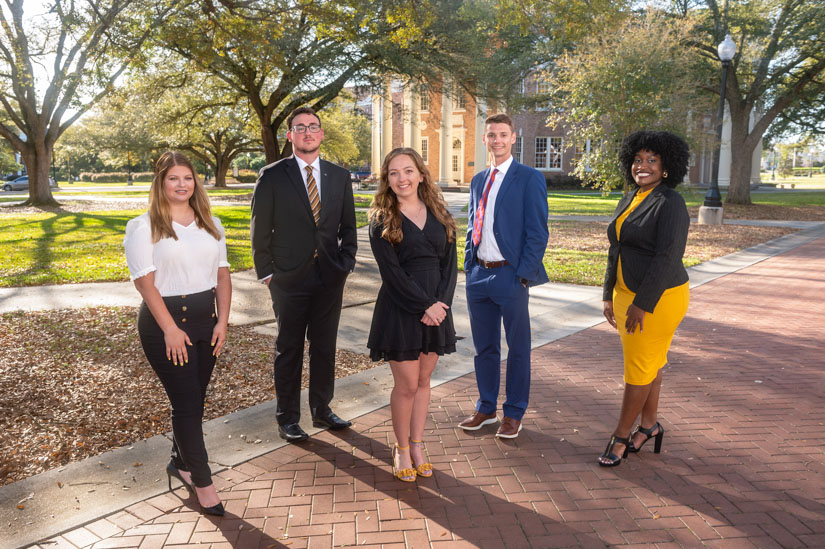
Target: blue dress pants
{"points": [[496, 295]]}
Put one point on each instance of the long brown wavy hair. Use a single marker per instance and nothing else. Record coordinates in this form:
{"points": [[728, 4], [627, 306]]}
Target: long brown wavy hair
{"points": [[384, 208], [160, 217]]}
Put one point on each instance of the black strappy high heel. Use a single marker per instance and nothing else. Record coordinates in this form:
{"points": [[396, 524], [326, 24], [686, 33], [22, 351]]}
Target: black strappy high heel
{"points": [[649, 434], [608, 452]]}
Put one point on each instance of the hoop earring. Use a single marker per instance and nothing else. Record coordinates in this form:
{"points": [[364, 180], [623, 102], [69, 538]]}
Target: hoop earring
{"points": [[664, 175]]}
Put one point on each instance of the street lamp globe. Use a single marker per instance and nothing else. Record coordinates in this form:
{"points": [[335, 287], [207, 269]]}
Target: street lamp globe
{"points": [[726, 49]]}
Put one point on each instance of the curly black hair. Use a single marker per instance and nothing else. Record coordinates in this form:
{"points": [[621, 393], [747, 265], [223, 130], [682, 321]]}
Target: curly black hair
{"points": [[673, 149]]}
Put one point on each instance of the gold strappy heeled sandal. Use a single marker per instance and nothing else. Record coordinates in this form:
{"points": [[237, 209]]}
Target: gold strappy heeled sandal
{"points": [[404, 475], [422, 469]]}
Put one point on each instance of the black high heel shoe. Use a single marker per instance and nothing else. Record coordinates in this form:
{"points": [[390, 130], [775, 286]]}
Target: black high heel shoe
{"points": [[172, 471], [216, 510], [649, 434], [608, 452]]}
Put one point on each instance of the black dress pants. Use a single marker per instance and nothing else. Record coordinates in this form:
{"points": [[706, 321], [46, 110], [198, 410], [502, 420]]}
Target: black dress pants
{"points": [[185, 385], [309, 311]]}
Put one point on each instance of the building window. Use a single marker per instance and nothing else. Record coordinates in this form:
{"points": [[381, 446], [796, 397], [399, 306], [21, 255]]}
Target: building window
{"points": [[456, 155], [522, 87], [517, 148], [541, 153], [425, 101], [581, 149], [460, 98], [425, 149], [549, 153], [555, 153], [542, 87]]}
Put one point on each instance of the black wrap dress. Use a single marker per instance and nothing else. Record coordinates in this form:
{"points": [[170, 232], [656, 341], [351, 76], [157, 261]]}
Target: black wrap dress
{"points": [[417, 272]]}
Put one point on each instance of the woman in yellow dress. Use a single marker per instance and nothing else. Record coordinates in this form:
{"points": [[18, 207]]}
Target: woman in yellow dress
{"points": [[646, 291]]}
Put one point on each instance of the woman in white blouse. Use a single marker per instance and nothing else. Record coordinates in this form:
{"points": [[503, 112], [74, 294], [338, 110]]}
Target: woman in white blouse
{"points": [[176, 254]]}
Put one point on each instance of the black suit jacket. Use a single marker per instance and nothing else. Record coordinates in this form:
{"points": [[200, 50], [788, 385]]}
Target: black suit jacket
{"points": [[653, 243], [284, 235]]}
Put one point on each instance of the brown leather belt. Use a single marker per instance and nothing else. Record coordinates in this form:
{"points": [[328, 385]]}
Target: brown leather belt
{"points": [[492, 264]]}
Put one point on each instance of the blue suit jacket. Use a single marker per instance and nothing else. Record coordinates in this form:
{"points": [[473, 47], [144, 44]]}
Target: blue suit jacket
{"points": [[520, 221]]}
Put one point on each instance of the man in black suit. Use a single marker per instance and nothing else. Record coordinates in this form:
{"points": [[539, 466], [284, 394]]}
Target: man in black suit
{"points": [[303, 246]]}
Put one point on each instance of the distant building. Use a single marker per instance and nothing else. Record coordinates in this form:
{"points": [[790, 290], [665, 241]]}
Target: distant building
{"points": [[449, 125]]}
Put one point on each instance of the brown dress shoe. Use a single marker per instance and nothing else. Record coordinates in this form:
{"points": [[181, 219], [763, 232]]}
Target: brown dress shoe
{"points": [[509, 428], [477, 421]]}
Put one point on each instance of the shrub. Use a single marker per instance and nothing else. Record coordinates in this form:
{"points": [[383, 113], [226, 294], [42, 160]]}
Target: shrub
{"points": [[557, 182], [115, 177], [247, 176]]}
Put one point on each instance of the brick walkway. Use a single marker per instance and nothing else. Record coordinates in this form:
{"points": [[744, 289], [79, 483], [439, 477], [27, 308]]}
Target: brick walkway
{"points": [[742, 464]]}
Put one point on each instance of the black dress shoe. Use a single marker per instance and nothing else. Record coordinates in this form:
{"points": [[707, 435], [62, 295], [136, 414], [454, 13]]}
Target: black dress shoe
{"points": [[329, 420], [292, 432]]}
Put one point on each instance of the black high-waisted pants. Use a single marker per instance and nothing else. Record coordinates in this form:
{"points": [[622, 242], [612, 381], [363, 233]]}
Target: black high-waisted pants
{"points": [[185, 385]]}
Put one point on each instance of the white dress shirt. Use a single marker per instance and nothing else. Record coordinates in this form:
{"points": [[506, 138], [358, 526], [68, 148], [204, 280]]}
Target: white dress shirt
{"points": [[316, 171], [488, 247], [187, 265]]}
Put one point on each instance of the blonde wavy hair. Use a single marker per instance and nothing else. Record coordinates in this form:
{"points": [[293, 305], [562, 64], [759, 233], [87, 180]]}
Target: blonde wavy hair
{"points": [[384, 208], [160, 217]]}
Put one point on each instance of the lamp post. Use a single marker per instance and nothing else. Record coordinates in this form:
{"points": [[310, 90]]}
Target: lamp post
{"points": [[711, 211], [773, 164], [810, 161]]}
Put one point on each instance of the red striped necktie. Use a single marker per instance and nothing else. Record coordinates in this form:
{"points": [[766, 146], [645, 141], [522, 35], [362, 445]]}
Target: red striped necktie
{"points": [[482, 207]]}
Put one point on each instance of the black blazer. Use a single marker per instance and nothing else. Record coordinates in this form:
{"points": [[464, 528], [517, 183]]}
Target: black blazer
{"points": [[653, 243], [284, 235]]}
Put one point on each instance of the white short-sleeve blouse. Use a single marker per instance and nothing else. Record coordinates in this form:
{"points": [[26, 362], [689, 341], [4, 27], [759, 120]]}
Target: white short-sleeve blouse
{"points": [[187, 265]]}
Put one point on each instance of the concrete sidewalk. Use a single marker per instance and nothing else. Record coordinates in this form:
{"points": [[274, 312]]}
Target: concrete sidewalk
{"points": [[742, 465], [106, 485]]}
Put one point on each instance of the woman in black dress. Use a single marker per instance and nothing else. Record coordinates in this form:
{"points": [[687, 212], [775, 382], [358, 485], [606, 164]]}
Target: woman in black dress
{"points": [[413, 239]]}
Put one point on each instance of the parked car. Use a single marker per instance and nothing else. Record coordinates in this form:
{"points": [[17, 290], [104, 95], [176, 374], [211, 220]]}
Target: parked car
{"points": [[356, 176], [22, 184]]}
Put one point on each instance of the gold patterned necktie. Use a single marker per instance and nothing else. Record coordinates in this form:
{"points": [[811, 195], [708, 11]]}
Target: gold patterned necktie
{"points": [[314, 197]]}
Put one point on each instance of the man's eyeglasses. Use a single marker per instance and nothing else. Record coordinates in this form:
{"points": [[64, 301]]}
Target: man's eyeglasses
{"points": [[300, 128]]}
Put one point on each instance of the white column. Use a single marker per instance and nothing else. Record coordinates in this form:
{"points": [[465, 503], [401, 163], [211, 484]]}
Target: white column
{"points": [[724, 152], [446, 138], [375, 165], [480, 153], [412, 131], [415, 122], [406, 117], [756, 158], [386, 119]]}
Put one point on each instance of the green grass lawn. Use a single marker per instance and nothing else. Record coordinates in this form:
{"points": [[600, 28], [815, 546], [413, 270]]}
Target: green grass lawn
{"points": [[362, 200], [800, 182], [144, 192], [60, 248], [574, 203], [564, 265]]}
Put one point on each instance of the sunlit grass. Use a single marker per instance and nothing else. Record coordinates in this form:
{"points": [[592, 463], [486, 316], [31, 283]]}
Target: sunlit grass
{"points": [[69, 247], [566, 265], [561, 203]]}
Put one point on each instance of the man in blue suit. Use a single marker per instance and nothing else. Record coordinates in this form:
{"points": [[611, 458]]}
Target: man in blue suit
{"points": [[506, 238]]}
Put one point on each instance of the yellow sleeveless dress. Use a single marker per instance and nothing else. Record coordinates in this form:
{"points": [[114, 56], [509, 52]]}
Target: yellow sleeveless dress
{"points": [[645, 352]]}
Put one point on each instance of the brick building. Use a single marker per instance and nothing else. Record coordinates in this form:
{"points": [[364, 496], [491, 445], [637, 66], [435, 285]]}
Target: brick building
{"points": [[449, 125]]}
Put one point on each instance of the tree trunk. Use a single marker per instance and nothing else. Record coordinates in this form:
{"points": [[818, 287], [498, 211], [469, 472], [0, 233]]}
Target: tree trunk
{"points": [[221, 167], [741, 151], [270, 142], [38, 159]]}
